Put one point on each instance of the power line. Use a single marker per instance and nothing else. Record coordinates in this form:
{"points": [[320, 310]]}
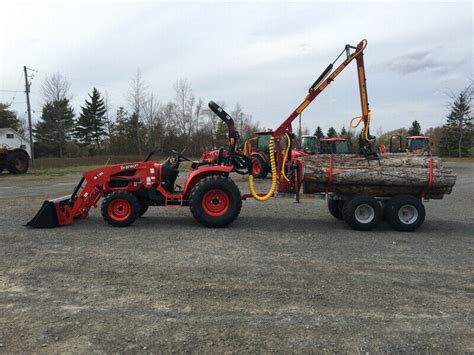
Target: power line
{"points": [[12, 91]]}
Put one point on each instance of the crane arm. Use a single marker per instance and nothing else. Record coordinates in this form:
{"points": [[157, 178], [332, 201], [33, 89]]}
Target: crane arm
{"points": [[326, 78]]}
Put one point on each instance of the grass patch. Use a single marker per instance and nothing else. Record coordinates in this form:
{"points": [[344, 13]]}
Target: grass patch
{"points": [[184, 167], [459, 160]]}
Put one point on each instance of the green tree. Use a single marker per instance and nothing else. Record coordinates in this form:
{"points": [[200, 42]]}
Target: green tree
{"points": [[319, 133], [415, 129], [90, 126], [332, 133], [343, 132], [8, 118], [458, 130], [54, 128]]}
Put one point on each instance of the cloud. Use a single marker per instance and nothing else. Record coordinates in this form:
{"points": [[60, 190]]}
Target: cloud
{"points": [[424, 60]]}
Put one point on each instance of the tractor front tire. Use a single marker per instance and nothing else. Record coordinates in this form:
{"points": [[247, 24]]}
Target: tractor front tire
{"points": [[335, 208], [405, 213], [18, 162], [215, 201], [259, 168], [362, 213], [120, 208]]}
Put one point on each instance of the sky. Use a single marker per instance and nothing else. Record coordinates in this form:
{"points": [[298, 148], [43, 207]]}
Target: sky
{"points": [[263, 55]]}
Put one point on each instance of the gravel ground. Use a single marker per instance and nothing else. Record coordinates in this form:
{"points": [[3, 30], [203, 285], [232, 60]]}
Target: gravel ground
{"points": [[284, 277]]}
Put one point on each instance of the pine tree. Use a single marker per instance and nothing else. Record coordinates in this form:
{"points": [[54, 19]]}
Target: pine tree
{"points": [[319, 133], [343, 132], [91, 123], [8, 118], [415, 129], [458, 130], [332, 133], [54, 127]]}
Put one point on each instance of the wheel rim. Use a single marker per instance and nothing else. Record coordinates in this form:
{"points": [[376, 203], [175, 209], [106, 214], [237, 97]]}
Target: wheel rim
{"points": [[215, 202], [119, 209], [256, 167], [19, 164], [408, 214], [364, 213]]}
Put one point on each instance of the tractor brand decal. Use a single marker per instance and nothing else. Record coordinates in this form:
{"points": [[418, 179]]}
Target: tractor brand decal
{"points": [[99, 175], [130, 166]]}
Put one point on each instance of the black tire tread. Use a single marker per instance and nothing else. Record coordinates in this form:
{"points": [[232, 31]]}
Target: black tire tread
{"points": [[206, 184], [391, 212], [349, 209], [335, 208], [264, 168], [11, 160]]}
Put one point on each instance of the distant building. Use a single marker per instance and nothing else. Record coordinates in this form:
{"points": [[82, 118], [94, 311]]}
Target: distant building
{"points": [[12, 139]]}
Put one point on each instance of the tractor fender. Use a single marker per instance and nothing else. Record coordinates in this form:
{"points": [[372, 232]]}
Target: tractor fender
{"points": [[259, 155], [203, 172]]}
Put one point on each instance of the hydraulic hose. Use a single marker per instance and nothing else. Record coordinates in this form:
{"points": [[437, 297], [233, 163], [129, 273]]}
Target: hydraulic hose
{"points": [[271, 149], [285, 156]]}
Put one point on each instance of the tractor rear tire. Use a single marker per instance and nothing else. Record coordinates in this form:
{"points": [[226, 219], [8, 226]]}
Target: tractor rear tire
{"points": [[143, 207], [362, 213], [18, 162], [335, 208], [259, 168], [215, 201], [120, 208], [405, 213]]}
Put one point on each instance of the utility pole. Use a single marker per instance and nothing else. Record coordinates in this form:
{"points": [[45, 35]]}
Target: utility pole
{"points": [[30, 129], [241, 122]]}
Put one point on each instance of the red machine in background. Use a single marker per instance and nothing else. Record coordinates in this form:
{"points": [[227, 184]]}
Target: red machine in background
{"points": [[414, 144]]}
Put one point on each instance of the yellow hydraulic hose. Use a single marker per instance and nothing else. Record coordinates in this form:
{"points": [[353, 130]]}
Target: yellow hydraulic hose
{"points": [[365, 130], [271, 149], [285, 156]]}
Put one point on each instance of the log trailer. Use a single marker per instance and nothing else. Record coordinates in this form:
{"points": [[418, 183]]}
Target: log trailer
{"points": [[213, 197]]}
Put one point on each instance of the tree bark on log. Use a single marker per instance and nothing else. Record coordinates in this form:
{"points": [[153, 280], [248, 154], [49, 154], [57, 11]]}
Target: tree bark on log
{"points": [[395, 174]]}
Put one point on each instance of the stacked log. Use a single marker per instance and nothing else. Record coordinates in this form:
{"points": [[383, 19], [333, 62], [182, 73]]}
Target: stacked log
{"points": [[394, 174]]}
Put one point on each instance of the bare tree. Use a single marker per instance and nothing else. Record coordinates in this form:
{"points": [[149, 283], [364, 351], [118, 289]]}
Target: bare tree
{"points": [[56, 88], [184, 101], [151, 117], [136, 98]]}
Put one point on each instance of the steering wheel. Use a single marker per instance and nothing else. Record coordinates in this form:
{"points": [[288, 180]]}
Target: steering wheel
{"points": [[179, 155]]}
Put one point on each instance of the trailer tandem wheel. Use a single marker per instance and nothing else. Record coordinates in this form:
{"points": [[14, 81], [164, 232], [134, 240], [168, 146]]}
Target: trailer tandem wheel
{"points": [[362, 213], [405, 213], [335, 208]]}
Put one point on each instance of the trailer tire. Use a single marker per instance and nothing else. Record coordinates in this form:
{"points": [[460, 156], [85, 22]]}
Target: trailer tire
{"points": [[120, 208], [362, 213], [259, 168], [215, 201], [18, 162], [405, 213], [335, 208]]}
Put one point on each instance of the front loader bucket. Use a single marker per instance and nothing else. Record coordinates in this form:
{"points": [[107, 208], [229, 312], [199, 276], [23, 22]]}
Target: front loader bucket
{"points": [[48, 215]]}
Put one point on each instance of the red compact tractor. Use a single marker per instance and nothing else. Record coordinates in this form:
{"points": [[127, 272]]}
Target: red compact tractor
{"points": [[129, 189]]}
